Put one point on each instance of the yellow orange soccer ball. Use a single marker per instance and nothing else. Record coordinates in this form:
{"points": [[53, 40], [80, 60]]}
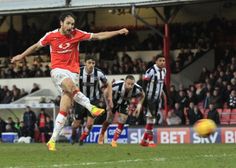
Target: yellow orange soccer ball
{"points": [[204, 127]]}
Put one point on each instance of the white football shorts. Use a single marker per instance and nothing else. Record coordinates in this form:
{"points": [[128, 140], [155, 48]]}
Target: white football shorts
{"points": [[58, 75]]}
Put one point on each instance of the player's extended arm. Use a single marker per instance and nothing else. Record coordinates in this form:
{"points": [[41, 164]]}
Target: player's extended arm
{"points": [[142, 97], [32, 49], [140, 104], [109, 34]]}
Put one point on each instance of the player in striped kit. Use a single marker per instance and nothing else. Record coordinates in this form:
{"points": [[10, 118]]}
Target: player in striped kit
{"points": [[64, 44], [123, 91], [94, 85], [154, 87]]}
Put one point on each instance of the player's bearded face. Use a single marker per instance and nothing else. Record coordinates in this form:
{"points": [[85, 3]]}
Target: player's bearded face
{"points": [[161, 62], [67, 25]]}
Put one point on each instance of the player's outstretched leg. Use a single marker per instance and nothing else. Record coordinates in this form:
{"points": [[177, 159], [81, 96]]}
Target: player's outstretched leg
{"points": [[96, 111], [80, 98]]}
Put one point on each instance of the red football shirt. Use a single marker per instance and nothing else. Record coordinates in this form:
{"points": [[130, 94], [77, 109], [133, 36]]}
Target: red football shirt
{"points": [[65, 49]]}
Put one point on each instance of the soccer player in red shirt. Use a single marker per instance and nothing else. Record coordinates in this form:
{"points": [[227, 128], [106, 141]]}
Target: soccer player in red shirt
{"points": [[65, 66]]}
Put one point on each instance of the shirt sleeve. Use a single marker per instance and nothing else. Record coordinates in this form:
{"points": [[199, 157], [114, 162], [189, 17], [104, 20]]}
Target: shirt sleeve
{"points": [[102, 77], [82, 35], [45, 40], [148, 75], [115, 85], [138, 90]]}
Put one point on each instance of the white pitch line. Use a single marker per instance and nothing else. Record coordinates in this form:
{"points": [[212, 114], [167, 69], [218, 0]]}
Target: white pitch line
{"points": [[92, 163]]}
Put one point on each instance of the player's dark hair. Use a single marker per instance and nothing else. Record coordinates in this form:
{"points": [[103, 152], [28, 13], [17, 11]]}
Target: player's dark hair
{"points": [[131, 77], [66, 14], [88, 57], [159, 56]]}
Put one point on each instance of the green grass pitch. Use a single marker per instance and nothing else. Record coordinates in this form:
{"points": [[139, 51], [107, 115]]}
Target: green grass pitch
{"points": [[124, 156]]}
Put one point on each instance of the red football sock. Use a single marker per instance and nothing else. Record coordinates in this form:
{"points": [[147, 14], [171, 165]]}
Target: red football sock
{"points": [[148, 129], [150, 137], [84, 134], [63, 113], [145, 136], [118, 131]]}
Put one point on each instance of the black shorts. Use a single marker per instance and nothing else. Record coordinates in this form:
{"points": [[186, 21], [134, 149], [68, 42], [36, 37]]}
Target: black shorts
{"points": [[80, 112], [121, 108], [152, 106]]}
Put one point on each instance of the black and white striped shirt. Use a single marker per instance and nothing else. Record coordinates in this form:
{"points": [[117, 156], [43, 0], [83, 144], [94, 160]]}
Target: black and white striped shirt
{"points": [[156, 78], [90, 84], [120, 96]]}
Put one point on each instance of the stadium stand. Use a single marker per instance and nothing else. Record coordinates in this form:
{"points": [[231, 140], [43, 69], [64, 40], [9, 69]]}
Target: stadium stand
{"points": [[225, 116]]}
